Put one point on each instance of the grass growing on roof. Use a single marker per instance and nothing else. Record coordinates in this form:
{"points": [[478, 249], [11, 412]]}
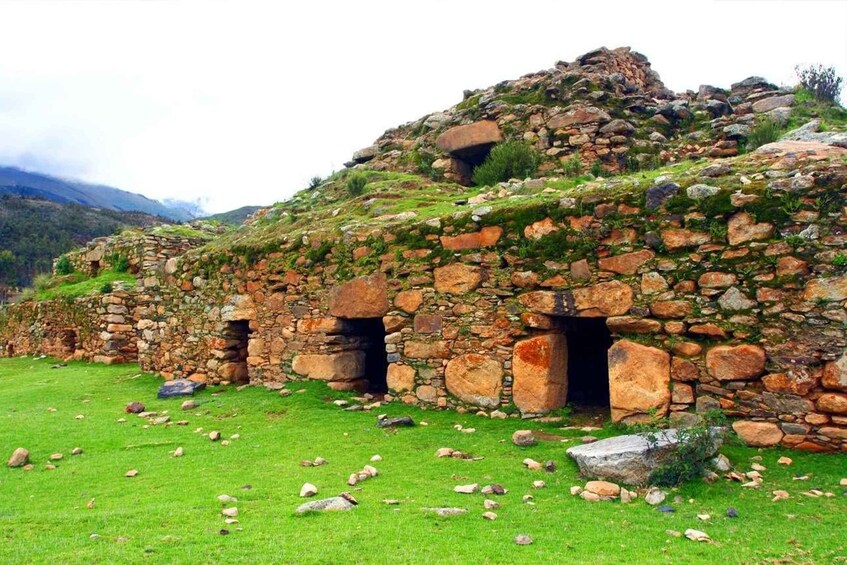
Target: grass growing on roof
{"points": [[170, 512], [74, 287]]}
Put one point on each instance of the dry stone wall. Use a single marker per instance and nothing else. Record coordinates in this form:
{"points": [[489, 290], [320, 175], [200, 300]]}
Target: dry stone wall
{"points": [[103, 328], [715, 298], [99, 329]]}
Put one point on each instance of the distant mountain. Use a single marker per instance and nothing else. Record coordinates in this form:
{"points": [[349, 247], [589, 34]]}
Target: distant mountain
{"points": [[33, 232], [63, 191], [235, 217], [194, 208]]}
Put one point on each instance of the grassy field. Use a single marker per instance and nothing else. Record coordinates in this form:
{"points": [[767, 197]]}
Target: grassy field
{"points": [[170, 511]]}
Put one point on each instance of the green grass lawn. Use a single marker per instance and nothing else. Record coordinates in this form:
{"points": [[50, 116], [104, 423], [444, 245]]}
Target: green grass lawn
{"points": [[170, 511]]}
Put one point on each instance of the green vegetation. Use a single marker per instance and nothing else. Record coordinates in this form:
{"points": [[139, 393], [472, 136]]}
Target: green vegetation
{"points": [[33, 232], [807, 107], [573, 166], [233, 217], [76, 284], [64, 266], [691, 459], [356, 183], [510, 159], [765, 131], [170, 511], [181, 230], [530, 97], [821, 81], [119, 262], [315, 182]]}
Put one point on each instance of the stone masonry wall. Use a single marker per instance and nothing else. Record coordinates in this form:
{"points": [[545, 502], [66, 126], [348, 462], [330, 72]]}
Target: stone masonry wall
{"points": [[726, 293], [102, 328], [98, 328]]}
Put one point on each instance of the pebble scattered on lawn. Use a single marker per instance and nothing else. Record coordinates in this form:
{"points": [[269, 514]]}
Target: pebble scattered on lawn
{"points": [[697, 535], [308, 490]]}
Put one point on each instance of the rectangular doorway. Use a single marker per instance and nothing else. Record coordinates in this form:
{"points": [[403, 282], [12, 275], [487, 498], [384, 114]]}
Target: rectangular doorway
{"points": [[236, 336], [368, 335]]}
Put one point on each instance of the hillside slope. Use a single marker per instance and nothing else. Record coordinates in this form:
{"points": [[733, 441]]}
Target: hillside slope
{"points": [[23, 183], [33, 232]]}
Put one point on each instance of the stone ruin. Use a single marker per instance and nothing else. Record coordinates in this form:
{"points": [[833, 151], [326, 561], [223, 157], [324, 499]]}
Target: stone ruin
{"points": [[646, 305]]}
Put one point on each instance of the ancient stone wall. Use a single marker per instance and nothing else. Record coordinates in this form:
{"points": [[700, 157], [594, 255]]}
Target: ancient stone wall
{"points": [[102, 328], [98, 328], [717, 296], [144, 253]]}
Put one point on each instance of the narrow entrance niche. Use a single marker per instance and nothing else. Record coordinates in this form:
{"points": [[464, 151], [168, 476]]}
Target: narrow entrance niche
{"points": [[95, 268], [68, 340], [236, 334], [589, 340], [368, 335]]}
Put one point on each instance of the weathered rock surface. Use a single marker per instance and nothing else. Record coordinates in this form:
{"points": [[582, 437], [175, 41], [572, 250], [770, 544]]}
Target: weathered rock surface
{"points": [[457, 278], [639, 381], [344, 366], [539, 368], [19, 457], [742, 362], [333, 504], [469, 139], [758, 434], [179, 387], [475, 379], [627, 459], [363, 297]]}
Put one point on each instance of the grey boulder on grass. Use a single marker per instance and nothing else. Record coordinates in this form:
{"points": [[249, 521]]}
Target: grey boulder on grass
{"points": [[627, 459]]}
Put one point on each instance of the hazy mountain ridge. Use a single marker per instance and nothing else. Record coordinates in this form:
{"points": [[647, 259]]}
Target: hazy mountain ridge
{"points": [[17, 182]]}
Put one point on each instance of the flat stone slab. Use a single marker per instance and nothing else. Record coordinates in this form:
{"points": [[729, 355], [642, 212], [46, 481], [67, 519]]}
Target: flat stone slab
{"points": [[179, 387], [401, 422], [627, 459], [333, 504]]}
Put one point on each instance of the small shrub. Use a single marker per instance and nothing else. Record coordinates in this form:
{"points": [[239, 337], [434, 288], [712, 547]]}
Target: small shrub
{"points": [[765, 131], [840, 261], [572, 166], [42, 282], [512, 159], [690, 458], [821, 81], [120, 263], [597, 169], [107, 288], [64, 266], [315, 182], [356, 183]]}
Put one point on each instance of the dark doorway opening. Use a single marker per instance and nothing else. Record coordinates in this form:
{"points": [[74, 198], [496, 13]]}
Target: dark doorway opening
{"points": [[69, 341], [468, 159], [236, 335], [95, 268], [589, 341], [370, 335]]}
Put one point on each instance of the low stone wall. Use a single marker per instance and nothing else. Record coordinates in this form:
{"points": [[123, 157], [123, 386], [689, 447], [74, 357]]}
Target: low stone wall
{"points": [[144, 253], [99, 328], [724, 310]]}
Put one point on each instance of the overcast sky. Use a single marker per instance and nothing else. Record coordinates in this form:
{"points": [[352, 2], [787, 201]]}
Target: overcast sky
{"points": [[240, 102]]}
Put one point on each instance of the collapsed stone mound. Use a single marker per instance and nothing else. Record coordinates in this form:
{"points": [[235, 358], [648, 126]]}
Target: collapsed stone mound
{"points": [[607, 110]]}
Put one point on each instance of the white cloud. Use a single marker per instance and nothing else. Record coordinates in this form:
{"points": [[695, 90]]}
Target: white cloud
{"points": [[241, 102]]}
